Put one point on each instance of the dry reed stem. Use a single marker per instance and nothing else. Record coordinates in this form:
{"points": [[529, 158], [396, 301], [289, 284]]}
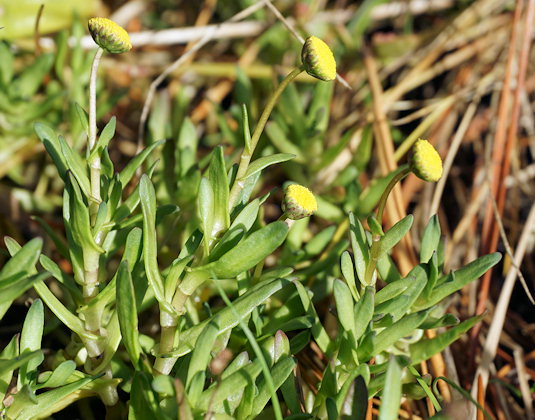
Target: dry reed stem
{"points": [[438, 366], [452, 152], [496, 326], [518, 354], [430, 408], [488, 239], [480, 398]]}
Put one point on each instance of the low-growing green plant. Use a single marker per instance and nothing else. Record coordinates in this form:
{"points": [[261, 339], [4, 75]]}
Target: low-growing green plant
{"points": [[213, 359]]}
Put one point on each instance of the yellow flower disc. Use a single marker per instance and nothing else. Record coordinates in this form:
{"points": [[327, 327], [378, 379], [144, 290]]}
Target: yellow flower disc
{"points": [[318, 59], [109, 36], [425, 162], [299, 202]]}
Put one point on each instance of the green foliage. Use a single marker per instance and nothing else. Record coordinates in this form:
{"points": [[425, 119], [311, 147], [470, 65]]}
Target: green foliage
{"points": [[134, 280]]}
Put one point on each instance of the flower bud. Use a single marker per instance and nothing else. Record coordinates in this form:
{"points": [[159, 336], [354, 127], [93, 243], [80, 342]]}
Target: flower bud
{"points": [[425, 161], [109, 36], [318, 59], [298, 202]]}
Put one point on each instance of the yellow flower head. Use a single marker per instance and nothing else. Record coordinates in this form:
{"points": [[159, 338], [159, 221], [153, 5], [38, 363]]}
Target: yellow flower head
{"points": [[109, 36], [318, 59], [298, 202], [425, 161]]}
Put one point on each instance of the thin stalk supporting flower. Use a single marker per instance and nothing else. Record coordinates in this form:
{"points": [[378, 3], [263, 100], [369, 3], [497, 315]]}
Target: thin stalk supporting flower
{"points": [[318, 61], [112, 38], [426, 164]]}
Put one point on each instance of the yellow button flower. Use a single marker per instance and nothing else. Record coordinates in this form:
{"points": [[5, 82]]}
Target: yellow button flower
{"points": [[299, 202], [109, 36], [318, 59], [425, 161]]}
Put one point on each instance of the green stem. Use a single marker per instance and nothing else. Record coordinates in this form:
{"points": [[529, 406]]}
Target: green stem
{"points": [[376, 239], [91, 259], [239, 182], [164, 365], [94, 165], [192, 280], [403, 172]]}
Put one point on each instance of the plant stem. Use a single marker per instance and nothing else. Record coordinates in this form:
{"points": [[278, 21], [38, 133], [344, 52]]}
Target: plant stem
{"points": [[192, 280], [403, 172], [239, 182], [91, 259], [94, 165], [376, 239], [164, 365]]}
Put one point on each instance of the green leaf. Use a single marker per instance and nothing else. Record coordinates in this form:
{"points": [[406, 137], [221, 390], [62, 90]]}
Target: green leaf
{"points": [[205, 204], [12, 245], [81, 227], [402, 328], [64, 315], [7, 366], [320, 241], [127, 312], [226, 319], [242, 378], [6, 64], [50, 402], [30, 339], [430, 239], [387, 269], [427, 347], [261, 163], [59, 376], [318, 331], [348, 271], [104, 139], [360, 247], [83, 117], [414, 282], [9, 352], [21, 263], [280, 372], [249, 252], [246, 129], [63, 278], [239, 227], [150, 251], [52, 145], [458, 279], [391, 397], [217, 175], [32, 77], [395, 234], [76, 166], [200, 359], [130, 169], [364, 311], [344, 307], [22, 283]]}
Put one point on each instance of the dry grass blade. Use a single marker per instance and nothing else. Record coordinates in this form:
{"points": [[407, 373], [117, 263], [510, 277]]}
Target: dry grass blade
{"points": [[523, 380], [208, 36], [500, 161], [498, 320]]}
